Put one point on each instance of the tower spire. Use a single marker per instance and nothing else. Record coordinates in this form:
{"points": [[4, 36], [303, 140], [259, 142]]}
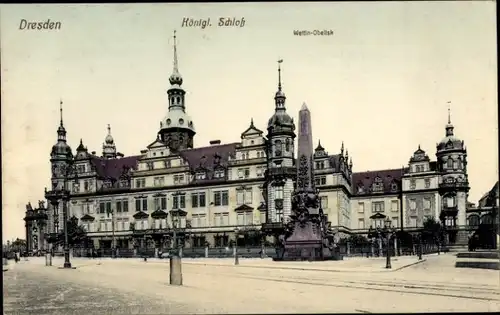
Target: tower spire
{"points": [[175, 78], [61, 112], [279, 74], [279, 98], [449, 126], [176, 64], [109, 129]]}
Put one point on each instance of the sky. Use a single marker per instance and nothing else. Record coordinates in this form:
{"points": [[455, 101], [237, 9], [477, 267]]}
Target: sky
{"points": [[380, 83]]}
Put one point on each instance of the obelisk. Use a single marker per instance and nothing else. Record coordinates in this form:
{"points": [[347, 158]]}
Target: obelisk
{"points": [[305, 174]]}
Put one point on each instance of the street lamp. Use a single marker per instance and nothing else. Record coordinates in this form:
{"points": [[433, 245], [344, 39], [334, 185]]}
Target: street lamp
{"points": [[236, 258], [65, 198], [420, 246], [174, 257], [113, 242], [387, 232]]}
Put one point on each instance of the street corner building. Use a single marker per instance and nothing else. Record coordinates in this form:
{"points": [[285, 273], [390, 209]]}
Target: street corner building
{"points": [[212, 193]]}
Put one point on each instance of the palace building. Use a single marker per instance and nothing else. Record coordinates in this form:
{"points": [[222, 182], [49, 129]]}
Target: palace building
{"points": [[212, 190]]}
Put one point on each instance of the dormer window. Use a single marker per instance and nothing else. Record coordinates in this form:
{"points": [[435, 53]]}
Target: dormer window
{"points": [[394, 187], [166, 164], [150, 166], [219, 173], [361, 190], [201, 175], [378, 185]]}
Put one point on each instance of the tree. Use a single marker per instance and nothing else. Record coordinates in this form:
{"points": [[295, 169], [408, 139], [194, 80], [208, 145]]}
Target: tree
{"points": [[18, 245], [76, 233], [432, 231]]}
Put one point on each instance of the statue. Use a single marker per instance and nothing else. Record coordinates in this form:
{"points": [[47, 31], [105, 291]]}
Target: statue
{"points": [[41, 204]]}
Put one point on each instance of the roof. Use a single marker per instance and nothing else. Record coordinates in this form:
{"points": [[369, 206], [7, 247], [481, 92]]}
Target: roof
{"points": [[489, 199], [114, 168], [366, 179], [207, 159]]}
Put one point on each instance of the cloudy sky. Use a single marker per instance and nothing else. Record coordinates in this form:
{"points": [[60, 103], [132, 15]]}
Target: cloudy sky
{"points": [[380, 83]]}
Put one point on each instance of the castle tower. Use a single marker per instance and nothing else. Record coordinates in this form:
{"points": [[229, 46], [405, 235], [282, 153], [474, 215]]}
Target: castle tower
{"points": [[177, 128], [61, 155], [453, 183], [109, 147], [60, 158], [280, 159]]}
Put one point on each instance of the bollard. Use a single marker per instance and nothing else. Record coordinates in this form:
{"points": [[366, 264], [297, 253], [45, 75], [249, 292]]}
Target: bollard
{"points": [[48, 259], [206, 251], [175, 270], [236, 260], [348, 249]]}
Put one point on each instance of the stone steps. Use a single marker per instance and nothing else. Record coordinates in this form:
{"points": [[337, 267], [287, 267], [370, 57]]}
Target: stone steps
{"points": [[479, 254], [492, 264]]}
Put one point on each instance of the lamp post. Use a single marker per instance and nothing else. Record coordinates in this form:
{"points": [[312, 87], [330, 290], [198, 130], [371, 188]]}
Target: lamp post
{"points": [[111, 213], [174, 257], [385, 233], [236, 258], [420, 246], [65, 199]]}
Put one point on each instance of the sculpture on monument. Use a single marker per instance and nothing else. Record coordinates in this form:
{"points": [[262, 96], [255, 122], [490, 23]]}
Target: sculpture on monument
{"points": [[307, 236]]}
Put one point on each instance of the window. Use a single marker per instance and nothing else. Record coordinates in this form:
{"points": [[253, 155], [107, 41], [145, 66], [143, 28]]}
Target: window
{"points": [[159, 181], [141, 204], [413, 184], [140, 183], [427, 204], [378, 206], [278, 193], [201, 175], [179, 201], [287, 145], [150, 166], [199, 220], [413, 221], [219, 173], [395, 205], [221, 219], [320, 180], [278, 147], [413, 204], [105, 207], [279, 215], [378, 185], [361, 223], [221, 198], [395, 222], [449, 163], [320, 165], [76, 187], [160, 223], [427, 183], [277, 164], [161, 203], [81, 169], [262, 217], [361, 207], [260, 171], [126, 224], [244, 218], [323, 202], [456, 165], [86, 185], [122, 206], [198, 200], [243, 173], [145, 224], [178, 179], [450, 201], [167, 164]]}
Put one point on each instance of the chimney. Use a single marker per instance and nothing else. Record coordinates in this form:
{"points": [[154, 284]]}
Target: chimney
{"points": [[214, 142]]}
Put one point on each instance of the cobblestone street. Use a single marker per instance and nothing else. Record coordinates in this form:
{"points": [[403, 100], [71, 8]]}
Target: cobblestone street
{"points": [[255, 286]]}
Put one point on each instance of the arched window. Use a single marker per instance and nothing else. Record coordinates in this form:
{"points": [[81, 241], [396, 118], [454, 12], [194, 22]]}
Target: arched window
{"points": [[449, 163], [486, 219], [178, 99], [473, 220], [278, 147], [287, 145]]}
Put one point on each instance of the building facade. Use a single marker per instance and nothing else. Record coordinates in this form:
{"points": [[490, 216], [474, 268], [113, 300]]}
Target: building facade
{"points": [[207, 192]]}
